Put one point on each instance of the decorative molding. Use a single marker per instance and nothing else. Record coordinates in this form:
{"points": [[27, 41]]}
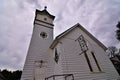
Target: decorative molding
{"points": [[83, 29], [44, 22], [43, 25]]}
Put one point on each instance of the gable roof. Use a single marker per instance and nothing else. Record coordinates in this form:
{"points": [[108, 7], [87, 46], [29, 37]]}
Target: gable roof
{"points": [[69, 30]]}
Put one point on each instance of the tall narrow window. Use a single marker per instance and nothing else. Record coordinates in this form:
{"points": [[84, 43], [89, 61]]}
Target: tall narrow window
{"points": [[88, 61], [82, 43], [56, 55], [96, 61], [84, 49]]}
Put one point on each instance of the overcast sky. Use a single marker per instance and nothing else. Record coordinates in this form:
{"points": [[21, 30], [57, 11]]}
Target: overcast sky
{"points": [[99, 17]]}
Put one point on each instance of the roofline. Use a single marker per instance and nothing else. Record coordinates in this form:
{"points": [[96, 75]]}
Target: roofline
{"points": [[40, 12], [82, 28], [56, 40]]}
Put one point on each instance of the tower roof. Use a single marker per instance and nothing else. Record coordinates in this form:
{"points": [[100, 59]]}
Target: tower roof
{"points": [[44, 12]]}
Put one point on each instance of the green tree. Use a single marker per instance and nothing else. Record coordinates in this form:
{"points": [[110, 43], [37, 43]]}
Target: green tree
{"points": [[6, 74], [9, 75], [114, 55], [17, 75], [112, 51], [118, 31]]}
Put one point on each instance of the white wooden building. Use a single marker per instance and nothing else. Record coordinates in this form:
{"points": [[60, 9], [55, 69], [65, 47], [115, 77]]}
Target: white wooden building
{"points": [[74, 54]]}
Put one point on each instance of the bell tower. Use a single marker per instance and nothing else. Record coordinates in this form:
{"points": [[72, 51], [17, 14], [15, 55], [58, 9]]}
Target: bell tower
{"points": [[42, 37]]}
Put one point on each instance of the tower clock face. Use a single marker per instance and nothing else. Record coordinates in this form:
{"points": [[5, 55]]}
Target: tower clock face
{"points": [[43, 34]]}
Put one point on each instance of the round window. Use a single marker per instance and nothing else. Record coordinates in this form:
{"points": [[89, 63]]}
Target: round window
{"points": [[43, 34], [45, 19]]}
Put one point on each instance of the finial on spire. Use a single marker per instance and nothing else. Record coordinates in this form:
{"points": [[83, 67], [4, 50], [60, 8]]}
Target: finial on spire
{"points": [[45, 7]]}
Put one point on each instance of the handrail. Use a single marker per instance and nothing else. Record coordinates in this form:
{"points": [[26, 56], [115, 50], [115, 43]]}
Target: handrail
{"points": [[65, 76]]}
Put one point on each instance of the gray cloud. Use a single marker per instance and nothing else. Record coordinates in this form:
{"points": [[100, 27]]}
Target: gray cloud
{"points": [[105, 26], [16, 23]]}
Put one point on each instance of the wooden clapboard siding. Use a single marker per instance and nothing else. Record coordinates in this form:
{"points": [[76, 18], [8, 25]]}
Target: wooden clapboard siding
{"points": [[39, 47], [73, 63]]}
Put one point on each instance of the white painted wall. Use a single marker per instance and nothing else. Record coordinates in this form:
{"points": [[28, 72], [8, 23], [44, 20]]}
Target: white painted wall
{"points": [[41, 17], [58, 66], [38, 50], [73, 63], [70, 62]]}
